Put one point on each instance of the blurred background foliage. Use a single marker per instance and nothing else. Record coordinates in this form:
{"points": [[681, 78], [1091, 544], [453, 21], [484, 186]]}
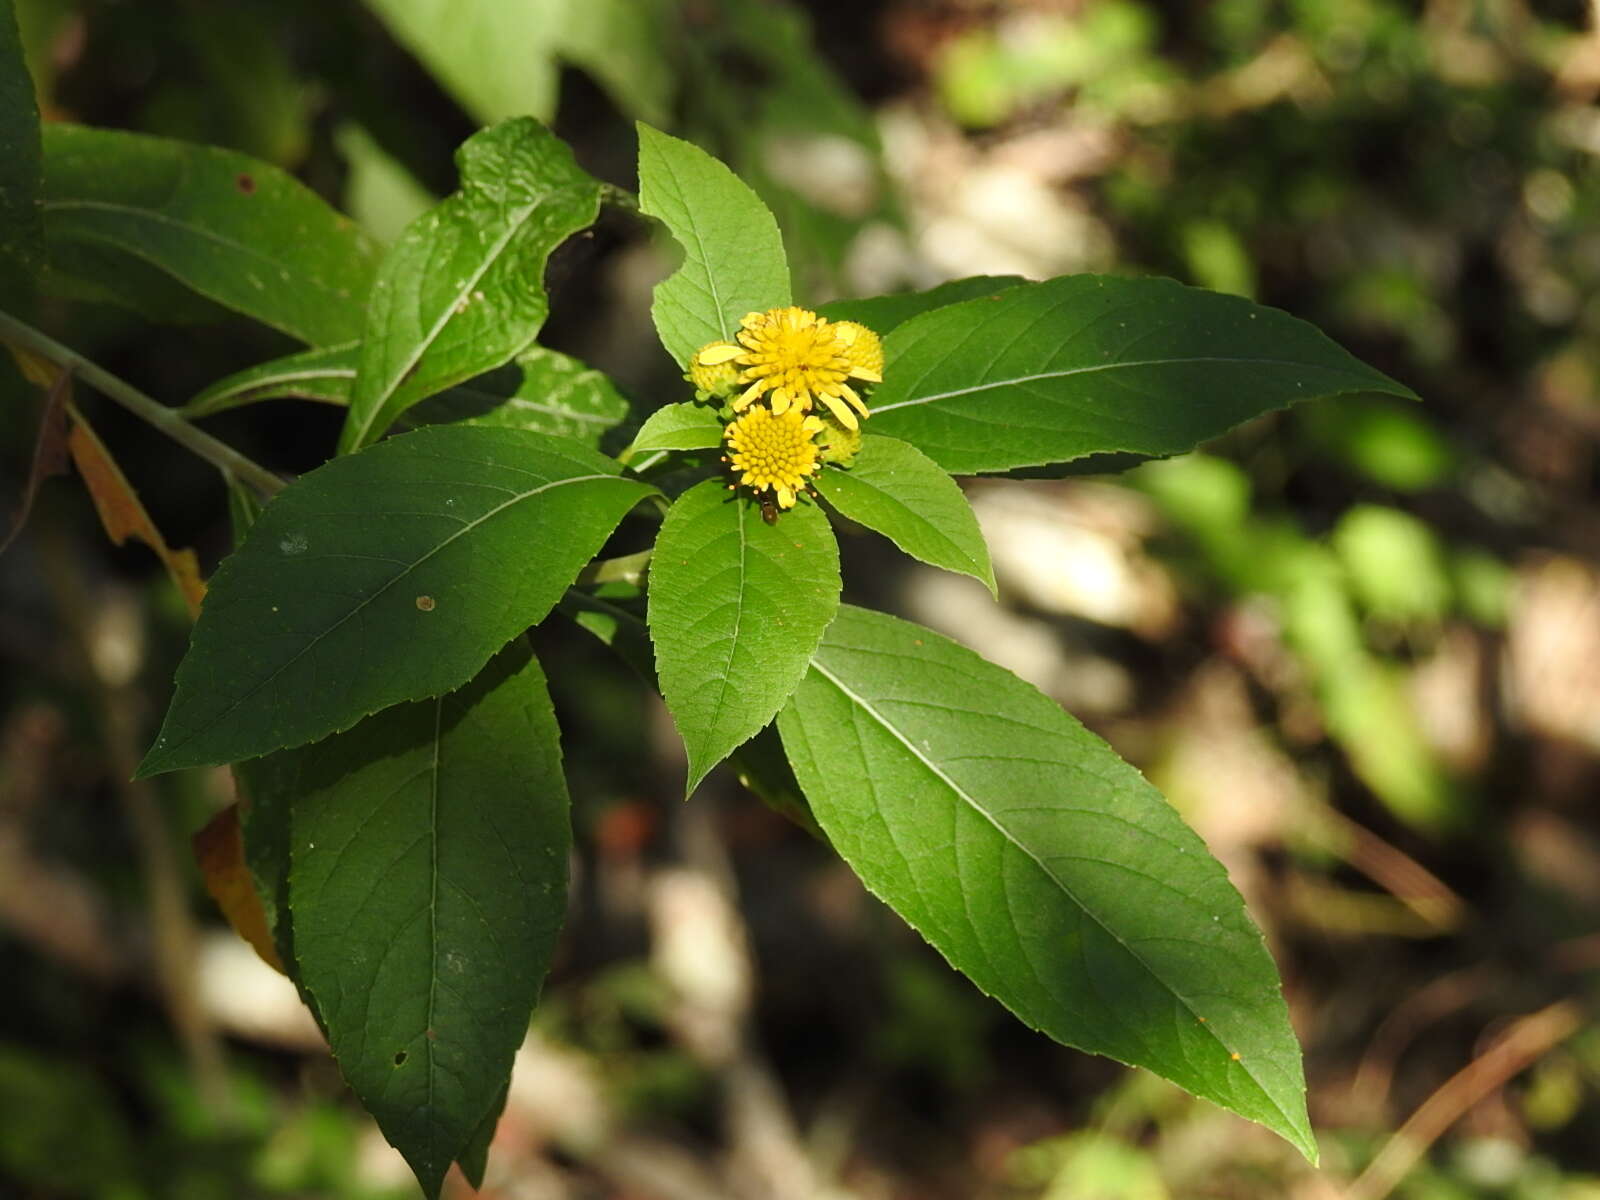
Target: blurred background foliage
{"points": [[1358, 644]]}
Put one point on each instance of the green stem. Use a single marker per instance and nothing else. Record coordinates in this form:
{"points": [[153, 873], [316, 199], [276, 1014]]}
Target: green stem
{"points": [[627, 569], [168, 420]]}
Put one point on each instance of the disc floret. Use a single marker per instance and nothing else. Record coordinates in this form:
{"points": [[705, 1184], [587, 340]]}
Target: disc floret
{"points": [[774, 452]]}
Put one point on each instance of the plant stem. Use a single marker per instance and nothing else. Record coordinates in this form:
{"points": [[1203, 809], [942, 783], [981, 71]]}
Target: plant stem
{"points": [[168, 420], [629, 568]]}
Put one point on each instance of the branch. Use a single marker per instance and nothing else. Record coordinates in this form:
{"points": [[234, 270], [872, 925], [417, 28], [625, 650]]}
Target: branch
{"points": [[168, 420]]}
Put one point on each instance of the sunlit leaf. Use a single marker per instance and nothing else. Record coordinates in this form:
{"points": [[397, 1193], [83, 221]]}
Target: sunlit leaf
{"points": [[736, 608], [1092, 364], [686, 426], [895, 489], [462, 291], [733, 261], [1040, 864]]}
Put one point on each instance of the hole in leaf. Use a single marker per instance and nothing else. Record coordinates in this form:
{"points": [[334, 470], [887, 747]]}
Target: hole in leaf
{"points": [[399, 1058]]}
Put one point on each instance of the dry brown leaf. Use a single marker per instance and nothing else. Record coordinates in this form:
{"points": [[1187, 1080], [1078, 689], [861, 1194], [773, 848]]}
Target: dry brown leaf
{"points": [[123, 515], [50, 447], [219, 851]]}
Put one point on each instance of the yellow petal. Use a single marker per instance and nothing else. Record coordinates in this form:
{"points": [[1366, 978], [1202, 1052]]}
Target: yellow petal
{"points": [[841, 410], [785, 497], [717, 353], [780, 401], [850, 395]]}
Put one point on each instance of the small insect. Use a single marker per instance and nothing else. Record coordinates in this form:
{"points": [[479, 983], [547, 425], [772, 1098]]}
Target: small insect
{"points": [[769, 510]]}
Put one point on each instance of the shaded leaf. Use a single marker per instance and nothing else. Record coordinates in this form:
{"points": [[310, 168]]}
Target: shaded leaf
{"points": [[542, 390], [1091, 364], [229, 227], [736, 608], [899, 491], [428, 884], [219, 853], [267, 787], [883, 313], [686, 426], [462, 291], [474, 1157], [325, 373], [386, 576], [1040, 864], [21, 222], [123, 515], [733, 261]]}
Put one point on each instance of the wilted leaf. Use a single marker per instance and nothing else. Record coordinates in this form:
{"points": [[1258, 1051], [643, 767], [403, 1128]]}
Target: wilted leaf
{"points": [[123, 515]]}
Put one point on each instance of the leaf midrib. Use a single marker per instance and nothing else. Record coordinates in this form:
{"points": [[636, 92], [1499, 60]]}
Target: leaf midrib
{"points": [[307, 648], [972, 803], [1092, 368], [397, 377]]}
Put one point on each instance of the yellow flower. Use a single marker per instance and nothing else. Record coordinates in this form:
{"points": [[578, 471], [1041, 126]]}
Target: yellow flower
{"points": [[712, 371], [795, 357], [862, 349], [774, 452]]}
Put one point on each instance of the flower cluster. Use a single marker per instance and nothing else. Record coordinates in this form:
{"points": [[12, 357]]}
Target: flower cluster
{"points": [[791, 370]]}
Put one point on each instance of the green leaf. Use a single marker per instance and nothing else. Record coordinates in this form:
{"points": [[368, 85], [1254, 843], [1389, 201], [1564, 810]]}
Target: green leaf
{"points": [[686, 426], [324, 373], [899, 491], [733, 261], [379, 190], [496, 59], [462, 291], [474, 1157], [759, 764], [387, 576], [268, 786], [883, 313], [1040, 864], [1090, 364], [231, 228], [428, 883], [736, 608], [21, 223], [620, 43], [501, 60], [541, 390]]}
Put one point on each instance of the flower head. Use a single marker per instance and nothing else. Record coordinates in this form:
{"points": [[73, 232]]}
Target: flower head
{"points": [[863, 350], [794, 357], [712, 370], [774, 452]]}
